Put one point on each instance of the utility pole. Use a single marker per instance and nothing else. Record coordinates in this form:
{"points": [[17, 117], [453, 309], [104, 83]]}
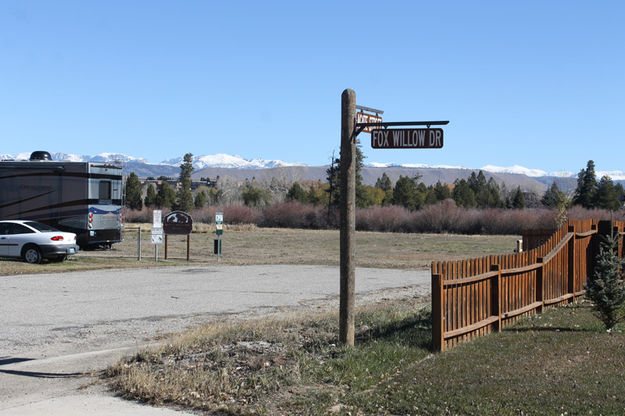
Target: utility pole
{"points": [[347, 217]]}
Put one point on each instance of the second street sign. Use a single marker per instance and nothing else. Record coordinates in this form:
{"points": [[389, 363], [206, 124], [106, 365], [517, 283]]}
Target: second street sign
{"points": [[407, 139]]}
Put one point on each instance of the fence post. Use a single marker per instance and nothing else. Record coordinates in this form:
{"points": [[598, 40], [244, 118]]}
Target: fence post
{"points": [[540, 287], [571, 265], [496, 295], [438, 317], [165, 246], [139, 246]]}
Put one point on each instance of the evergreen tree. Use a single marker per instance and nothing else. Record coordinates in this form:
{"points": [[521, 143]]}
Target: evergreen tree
{"points": [[200, 199], [166, 196], [518, 201], [607, 195], [184, 197], [493, 198], [604, 288], [150, 197], [384, 182], [441, 191], [463, 194], [585, 193], [333, 177], [297, 193], [256, 197], [133, 192], [405, 193], [430, 197], [553, 196]]}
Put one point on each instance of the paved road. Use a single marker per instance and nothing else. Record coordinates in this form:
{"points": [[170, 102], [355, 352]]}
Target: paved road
{"points": [[56, 327]]}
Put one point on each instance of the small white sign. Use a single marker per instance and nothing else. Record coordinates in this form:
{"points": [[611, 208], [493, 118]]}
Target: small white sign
{"points": [[157, 235], [157, 220], [219, 218], [219, 226]]}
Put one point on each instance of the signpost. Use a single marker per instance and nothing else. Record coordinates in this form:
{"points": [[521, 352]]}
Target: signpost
{"points": [[178, 223], [157, 231], [219, 229], [352, 124]]}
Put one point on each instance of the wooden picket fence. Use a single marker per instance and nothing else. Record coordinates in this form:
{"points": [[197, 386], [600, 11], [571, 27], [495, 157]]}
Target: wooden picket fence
{"points": [[474, 297]]}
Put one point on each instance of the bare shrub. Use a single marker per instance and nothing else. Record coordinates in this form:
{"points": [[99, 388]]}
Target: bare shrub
{"points": [[387, 219], [144, 215], [291, 214], [241, 214]]}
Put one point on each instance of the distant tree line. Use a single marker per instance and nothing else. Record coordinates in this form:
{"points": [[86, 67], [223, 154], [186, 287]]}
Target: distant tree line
{"points": [[408, 192]]}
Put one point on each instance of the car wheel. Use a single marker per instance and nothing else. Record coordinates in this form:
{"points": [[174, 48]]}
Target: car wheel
{"points": [[32, 255]]}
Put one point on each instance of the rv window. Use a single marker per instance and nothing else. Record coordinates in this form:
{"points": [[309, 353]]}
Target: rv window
{"points": [[105, 191]]}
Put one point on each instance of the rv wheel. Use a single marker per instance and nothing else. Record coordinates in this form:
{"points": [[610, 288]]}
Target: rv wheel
{"points": [[32, 255]]}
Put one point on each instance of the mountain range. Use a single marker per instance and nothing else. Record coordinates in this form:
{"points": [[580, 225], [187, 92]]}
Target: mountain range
{"points": [[238, 168]]}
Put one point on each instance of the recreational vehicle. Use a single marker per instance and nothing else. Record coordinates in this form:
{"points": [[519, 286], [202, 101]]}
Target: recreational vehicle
{"points": [[84, 198]]}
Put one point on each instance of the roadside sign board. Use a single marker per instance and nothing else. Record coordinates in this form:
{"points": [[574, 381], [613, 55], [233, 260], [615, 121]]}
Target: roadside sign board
{"points": [[157, 235], [157, 218], [367, 118], [178, 223], [407, 138], [219, 223]]}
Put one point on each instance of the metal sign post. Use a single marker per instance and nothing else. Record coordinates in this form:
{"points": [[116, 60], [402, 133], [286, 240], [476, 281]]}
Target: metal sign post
{"points": [[219, 229], [157, 231]]}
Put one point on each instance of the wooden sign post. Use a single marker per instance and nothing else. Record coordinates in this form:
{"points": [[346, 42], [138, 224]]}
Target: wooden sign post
{"points": [[381, 138], [178, 223]]}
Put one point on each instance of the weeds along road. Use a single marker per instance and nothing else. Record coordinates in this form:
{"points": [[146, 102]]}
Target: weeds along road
{"points": [[57, 327]]}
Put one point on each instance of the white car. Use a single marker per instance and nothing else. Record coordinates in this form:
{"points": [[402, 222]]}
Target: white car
{"points": [[34, 241]]}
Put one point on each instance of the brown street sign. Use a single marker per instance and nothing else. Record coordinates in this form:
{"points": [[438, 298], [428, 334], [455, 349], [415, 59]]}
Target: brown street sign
{"points": [[407, 138], [367, 118]]}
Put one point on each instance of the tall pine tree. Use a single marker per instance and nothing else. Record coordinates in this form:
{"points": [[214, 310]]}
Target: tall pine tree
{"points": [[133, 192], [585, 193], [184, 197]]}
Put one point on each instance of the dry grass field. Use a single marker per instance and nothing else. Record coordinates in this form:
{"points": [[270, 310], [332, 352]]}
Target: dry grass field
{"points": [[244, 245]]}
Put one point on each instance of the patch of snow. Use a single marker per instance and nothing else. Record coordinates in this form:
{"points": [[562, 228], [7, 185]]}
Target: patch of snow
{"points": [[532, 173]]}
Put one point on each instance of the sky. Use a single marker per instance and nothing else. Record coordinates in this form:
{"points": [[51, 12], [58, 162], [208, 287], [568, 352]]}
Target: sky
{"points": [[533, 83]]}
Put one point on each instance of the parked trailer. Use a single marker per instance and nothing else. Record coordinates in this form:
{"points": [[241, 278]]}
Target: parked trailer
{"points": [[80, 197]]}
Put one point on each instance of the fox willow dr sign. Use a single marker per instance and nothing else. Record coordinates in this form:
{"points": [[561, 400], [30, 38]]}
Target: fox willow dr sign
{"points": [[407, 138]]}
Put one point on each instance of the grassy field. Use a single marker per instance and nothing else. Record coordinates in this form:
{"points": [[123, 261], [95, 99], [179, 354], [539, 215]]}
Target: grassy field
{"points": [[251, 245], [561, 362]]}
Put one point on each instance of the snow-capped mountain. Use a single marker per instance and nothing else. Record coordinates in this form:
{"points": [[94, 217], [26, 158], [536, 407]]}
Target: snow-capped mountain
{"points": [[221, 160], [199, 162], [171, 167]]}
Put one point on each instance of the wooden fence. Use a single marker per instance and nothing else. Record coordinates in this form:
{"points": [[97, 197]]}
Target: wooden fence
{"points": [[473, 297]]}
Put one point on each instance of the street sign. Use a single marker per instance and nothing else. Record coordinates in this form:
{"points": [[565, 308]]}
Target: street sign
{"points": [[367, 118], [407, 138]]}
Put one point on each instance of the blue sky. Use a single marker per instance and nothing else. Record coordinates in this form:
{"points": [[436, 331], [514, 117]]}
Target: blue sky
{"points": [[535, 83]]}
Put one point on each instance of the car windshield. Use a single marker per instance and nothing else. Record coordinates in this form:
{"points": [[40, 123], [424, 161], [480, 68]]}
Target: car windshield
{"points": [[40, 227]]}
